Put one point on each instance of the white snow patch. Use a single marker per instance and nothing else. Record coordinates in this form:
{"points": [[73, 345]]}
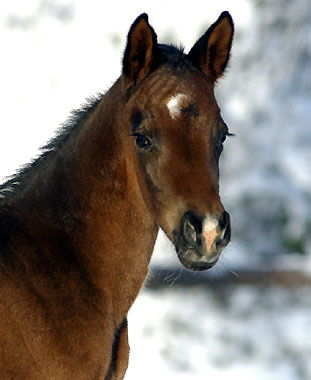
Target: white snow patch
{"points": [[244, 332]]}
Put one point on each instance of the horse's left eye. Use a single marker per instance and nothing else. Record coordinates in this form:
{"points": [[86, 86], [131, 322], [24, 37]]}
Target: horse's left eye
{"points": [[141, 141], [221, 141], [223, 138]]}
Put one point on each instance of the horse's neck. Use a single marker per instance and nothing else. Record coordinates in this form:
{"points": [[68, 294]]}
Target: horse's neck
{"points": [[89, 197], [117, 233]]}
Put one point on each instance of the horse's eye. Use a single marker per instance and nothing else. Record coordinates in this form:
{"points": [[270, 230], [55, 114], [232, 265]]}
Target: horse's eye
{"points": [[223, 138], [141, 141], [221, 141]]}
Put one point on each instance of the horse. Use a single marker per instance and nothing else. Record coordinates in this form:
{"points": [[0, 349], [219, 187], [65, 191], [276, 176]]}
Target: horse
{"points": [[78, 224]]}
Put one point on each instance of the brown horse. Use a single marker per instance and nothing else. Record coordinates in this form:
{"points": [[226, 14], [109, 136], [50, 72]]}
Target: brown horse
{"points": [[78, 225]]}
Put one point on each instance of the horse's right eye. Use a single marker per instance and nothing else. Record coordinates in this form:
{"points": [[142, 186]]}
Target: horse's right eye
{"points": [[141, 141]]}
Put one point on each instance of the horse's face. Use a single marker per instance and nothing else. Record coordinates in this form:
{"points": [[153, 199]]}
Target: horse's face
{"points": [[178, 136]]}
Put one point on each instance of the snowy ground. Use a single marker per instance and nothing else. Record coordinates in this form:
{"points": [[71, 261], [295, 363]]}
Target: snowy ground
{"points": [[236, 332]]}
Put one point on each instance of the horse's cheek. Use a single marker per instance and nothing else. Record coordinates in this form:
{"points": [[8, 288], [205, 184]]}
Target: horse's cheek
{"points": [[145, 180]]}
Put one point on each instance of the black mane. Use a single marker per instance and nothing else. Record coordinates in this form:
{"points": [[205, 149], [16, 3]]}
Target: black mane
{"points": [[76, 119], [174, 56]]}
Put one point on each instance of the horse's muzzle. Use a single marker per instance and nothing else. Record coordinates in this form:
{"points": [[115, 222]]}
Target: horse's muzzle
{"points": [[200, 240]]}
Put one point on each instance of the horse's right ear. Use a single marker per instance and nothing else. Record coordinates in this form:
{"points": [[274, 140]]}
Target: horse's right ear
{"points": [[211, 52], [140, 54]]}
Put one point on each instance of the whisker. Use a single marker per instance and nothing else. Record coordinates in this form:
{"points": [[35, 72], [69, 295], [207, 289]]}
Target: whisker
{"points": [[234, 273]]}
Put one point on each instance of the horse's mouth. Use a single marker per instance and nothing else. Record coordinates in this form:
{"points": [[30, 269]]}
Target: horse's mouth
{"points": [[191, 259]]}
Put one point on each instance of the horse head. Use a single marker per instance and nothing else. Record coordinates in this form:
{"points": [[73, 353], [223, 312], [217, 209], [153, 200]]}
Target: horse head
{"points": [[178, 134]]}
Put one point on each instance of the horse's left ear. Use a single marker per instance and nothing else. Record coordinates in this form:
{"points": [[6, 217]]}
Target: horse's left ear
{"points": [[140, 54], [211, 52]]}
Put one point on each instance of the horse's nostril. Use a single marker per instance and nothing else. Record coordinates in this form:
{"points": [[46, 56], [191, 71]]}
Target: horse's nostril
{"points": [[224, 220], [189, 232], [191, 227], [227, 233]]}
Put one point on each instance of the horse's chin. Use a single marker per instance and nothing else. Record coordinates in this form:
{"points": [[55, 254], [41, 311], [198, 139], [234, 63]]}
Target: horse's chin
{"points": [[193, 261]]}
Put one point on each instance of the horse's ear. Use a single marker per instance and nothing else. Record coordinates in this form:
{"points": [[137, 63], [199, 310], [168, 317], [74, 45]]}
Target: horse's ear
{"points": [[211, 52], [140, 54]]}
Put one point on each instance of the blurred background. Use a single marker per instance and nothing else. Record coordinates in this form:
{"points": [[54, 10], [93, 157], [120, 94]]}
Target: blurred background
{"points": [[250, 316]]}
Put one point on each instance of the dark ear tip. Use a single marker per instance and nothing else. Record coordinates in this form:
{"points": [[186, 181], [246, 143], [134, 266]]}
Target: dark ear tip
{"points": [[226, 15], [143, 16]]}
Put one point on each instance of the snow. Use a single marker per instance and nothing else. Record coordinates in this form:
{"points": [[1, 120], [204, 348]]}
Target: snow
{"points": [[242, 332]]}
